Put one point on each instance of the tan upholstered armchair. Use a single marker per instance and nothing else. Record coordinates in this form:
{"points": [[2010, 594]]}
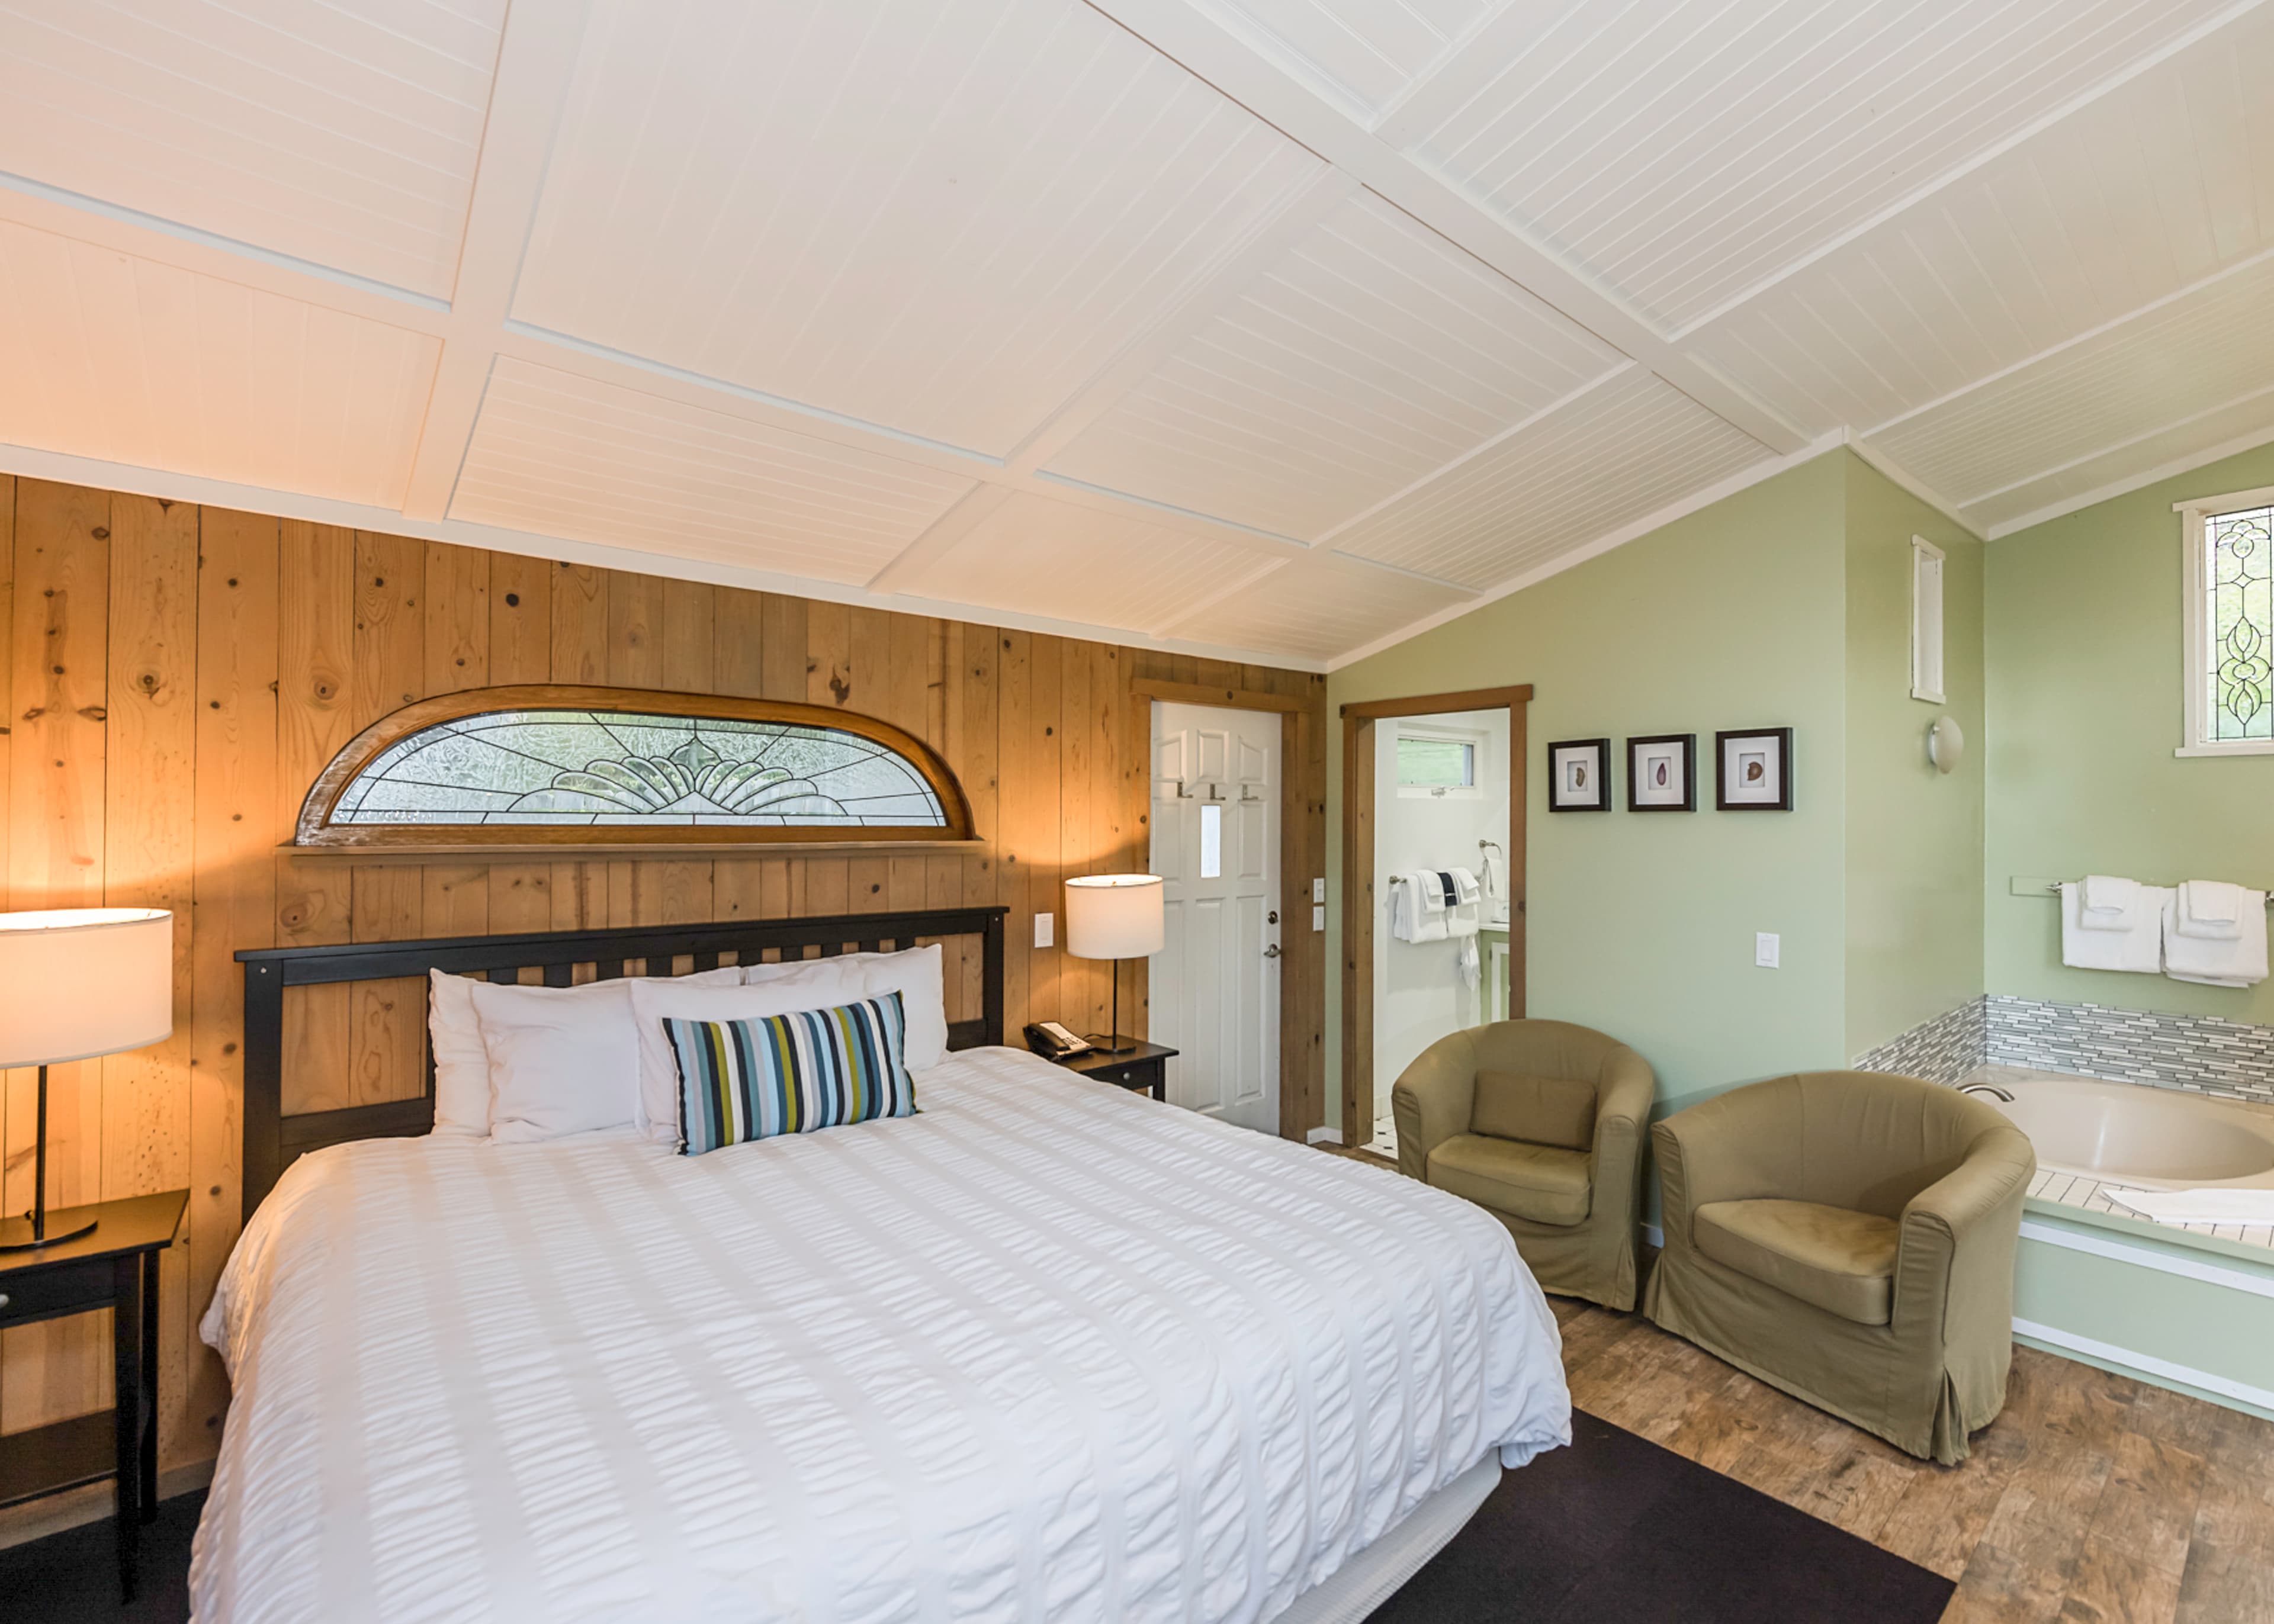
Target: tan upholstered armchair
{"points": [[1540, 1122], [1848, 1236]]}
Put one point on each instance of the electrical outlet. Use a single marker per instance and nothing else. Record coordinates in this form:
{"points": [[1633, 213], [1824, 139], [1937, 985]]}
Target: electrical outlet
{"points": [[1318, 891], [1319, 917], [1766, 946], [1046, 929]]}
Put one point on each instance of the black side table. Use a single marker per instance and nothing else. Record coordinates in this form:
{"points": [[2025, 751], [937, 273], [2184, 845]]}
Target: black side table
{"points": [[116, 1268], [1144, 1068]]}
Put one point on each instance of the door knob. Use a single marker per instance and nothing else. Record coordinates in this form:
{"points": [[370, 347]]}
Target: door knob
{"points": [[1271, 952]]}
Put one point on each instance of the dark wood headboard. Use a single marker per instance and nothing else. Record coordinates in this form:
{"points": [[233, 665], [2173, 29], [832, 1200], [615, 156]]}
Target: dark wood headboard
{"points": [[273, 1139]]}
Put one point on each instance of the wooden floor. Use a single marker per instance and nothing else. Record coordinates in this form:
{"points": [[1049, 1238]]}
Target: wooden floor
{"points": [[2093, 1499]]}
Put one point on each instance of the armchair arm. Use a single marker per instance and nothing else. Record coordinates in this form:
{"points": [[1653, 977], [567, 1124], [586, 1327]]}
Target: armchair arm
{"points": [[1954, 1265], [1435, 1099], [1623, 1097]]}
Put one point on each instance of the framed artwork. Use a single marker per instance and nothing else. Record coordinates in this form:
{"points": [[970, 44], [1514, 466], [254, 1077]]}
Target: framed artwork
{"points": [[1662, 774], [1752, 771], [1579, 776]]}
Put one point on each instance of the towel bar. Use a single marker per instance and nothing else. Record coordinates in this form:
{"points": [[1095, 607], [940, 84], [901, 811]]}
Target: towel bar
{"points": [[2052, 888]]}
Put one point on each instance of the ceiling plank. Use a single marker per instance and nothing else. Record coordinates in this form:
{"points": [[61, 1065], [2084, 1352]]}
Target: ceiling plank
{"points": [[536, 61]]}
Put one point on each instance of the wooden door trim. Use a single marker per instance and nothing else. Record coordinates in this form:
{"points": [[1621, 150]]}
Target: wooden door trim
{"points": [[1294, 889], [1222, 698], [1359, 904]]}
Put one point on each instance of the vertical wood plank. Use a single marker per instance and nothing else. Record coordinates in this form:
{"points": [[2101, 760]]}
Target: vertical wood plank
{"points": [[1081, 1002], [521, 619], [1358, 930], [390, 633], [738, 643], [60, 651], [1044, 796], [1017, 814], [690, 617], [635, 630], [457, 616], [784, 657], [975, 750], [579, 892], [237, 828]]}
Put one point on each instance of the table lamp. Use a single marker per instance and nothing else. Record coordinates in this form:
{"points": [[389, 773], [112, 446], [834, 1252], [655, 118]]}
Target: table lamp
{"points": [[1115, 916], [75, 983]]}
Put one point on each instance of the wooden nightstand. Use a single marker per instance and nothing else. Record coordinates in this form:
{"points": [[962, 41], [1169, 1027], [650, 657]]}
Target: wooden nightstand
{"points": [[1144, 1068], [116, 1268]]}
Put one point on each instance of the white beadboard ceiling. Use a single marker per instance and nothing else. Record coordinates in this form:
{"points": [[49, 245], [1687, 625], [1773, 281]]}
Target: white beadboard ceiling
{"points": [[1273, 329]]}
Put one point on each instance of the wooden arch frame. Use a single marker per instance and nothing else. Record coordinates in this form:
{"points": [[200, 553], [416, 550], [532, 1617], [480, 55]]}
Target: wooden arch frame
{"points": [[316, 830], [1358, 901]]}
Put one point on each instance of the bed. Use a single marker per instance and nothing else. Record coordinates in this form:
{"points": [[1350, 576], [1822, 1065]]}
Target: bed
{"points": [[1046, 1351]]}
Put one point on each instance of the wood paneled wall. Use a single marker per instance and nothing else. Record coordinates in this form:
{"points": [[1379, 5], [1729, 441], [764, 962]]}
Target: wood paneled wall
{"points": [[177, 676]]}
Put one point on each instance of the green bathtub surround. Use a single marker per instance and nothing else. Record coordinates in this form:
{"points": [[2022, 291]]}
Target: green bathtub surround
{"points": [[1772, 607], [2083, 638]]}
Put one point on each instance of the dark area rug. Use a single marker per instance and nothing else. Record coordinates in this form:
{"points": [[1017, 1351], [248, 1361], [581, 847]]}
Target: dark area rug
{"points": [[1616, 1528], [1612, 1529]]}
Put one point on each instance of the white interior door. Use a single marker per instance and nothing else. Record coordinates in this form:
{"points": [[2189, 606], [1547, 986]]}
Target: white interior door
{"points": [[1216, 843]]}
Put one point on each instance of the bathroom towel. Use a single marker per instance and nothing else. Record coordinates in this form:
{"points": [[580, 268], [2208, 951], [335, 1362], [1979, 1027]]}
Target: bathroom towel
{"points": [[2108, 903], [1495, 874], [1413, 917], [1471, 965], [2196, 1206], [2212, 909], [1466, 887], [1463, 918], [2139, 948], [2236, 961]]}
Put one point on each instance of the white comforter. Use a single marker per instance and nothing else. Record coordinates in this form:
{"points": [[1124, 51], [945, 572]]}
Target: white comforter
{"points": [[1046, 1351]]}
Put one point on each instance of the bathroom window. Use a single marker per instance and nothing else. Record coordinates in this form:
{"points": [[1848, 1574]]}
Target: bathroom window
{"points": [[2229, 697], [1438, 762]]}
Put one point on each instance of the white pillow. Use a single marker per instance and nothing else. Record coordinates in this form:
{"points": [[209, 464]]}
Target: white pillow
{"points": [[561, 1059], [916, 975], [654, 1002], [462, 1064]]}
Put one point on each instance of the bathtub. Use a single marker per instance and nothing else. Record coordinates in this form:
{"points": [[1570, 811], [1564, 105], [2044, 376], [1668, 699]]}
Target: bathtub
{"points": [[2154, 1139]]}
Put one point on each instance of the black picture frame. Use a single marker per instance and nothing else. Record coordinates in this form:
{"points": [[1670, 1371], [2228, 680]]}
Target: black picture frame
{"points": [[1776, 741], [1598, 772], [1635, 773]]}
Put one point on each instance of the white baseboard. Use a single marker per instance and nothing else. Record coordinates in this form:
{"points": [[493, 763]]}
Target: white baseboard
{"points": [[91, 1502], [1324, 1135], [2144, 1365]]}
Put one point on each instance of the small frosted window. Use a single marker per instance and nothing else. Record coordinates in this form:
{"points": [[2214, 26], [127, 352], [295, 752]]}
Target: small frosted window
{"points": [[1211, 842], [1435, 764]]}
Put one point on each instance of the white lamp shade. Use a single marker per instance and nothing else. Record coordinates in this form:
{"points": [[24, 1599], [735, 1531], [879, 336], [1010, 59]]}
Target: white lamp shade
{"points": [[76, 983], [1115, 916]]}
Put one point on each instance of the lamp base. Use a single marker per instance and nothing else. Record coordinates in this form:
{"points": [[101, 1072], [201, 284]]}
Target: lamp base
{"points": [[16, 1233], [1113, 1042]]}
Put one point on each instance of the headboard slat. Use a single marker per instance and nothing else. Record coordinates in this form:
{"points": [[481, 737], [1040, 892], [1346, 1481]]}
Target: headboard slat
{"points": [[273, 1139]]}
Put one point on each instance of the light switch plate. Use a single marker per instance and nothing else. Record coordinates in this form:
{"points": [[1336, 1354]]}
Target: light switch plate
{"points": [[1046, 929], [1318, 891], [1765, 947], [1319, 917]]}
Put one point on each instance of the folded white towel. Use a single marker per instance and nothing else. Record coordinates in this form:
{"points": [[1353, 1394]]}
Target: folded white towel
{"points": [[1411, 919], [2107, 903], [2235, 961], [2212, 909], [2139, 949], [1465, 889], [2197, 1206], [1495, 874]]}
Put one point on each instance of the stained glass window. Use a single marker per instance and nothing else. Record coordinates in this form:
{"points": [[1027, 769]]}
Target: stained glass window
{"points": [[2239, 550], [534, 768]]}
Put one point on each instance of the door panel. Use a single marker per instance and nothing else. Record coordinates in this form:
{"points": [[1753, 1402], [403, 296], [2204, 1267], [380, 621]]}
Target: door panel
{"points": [[1215, 842]]}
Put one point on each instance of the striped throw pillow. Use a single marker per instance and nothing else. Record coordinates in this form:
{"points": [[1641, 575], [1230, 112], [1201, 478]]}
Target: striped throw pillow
{"points": [[751, 1079]]}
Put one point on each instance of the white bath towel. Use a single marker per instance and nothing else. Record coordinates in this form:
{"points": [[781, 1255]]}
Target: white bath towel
{"points": [[2139, 948], [2196, 1206], [2212, 909], [1412, 916], [2236, 961], [1466, 914], [1471, 964], [1495, 874], [1466, 887], [2107, 903]]}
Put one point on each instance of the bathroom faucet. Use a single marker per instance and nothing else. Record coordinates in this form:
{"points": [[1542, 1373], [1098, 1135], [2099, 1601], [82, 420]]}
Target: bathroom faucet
{"points": [[1990, 1089]]}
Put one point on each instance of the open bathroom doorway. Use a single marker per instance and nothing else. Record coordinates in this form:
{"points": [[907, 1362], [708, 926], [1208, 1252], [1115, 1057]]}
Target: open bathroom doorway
{"points": [[1434, 868]]}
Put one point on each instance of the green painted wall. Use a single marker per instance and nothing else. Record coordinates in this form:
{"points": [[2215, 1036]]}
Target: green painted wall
{"points": [[2083, 634], [1913, 859], [1642, 925]]}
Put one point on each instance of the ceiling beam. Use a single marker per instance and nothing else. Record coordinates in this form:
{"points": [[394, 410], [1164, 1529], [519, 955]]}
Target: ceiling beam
{"points": [[1205, 48], [537, 60]]}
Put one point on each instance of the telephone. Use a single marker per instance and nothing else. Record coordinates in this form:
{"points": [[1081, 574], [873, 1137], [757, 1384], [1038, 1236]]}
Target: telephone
{"points": [[1053, 1041]]}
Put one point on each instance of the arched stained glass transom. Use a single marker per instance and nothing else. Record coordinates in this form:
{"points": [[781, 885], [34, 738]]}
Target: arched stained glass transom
{"points": [[612, 766]]}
